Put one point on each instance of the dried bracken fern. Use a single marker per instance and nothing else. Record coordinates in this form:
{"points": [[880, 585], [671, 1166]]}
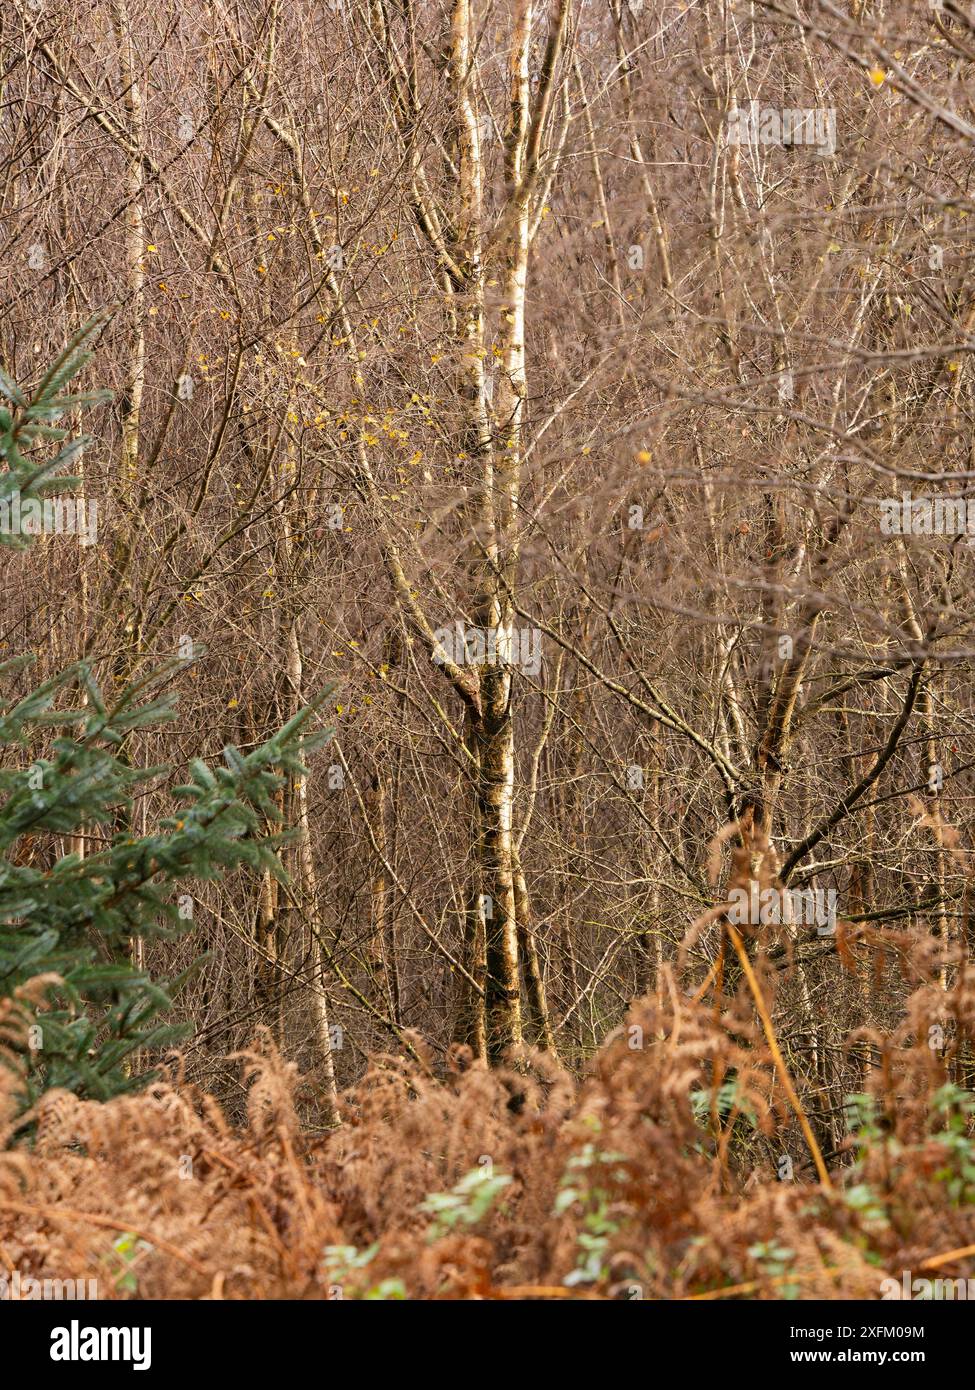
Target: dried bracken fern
{"points": [[656, 1175]]}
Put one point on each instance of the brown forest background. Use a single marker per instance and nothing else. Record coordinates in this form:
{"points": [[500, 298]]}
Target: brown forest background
{"points": [[425, 313]]}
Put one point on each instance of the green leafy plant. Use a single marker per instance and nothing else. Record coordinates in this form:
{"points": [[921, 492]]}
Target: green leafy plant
{"points": [[127, 1251], [342, 1263], [729, 1099], [775, 1260], [588, 1183], [955, 1108], [467, 1202]]}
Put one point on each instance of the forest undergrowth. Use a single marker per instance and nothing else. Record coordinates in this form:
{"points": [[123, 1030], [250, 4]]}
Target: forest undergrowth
{"points": [[659, 1173]]}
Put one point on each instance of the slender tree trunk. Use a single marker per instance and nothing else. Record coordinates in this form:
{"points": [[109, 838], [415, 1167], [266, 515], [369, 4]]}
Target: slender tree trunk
{"points": [[539, 1020]]}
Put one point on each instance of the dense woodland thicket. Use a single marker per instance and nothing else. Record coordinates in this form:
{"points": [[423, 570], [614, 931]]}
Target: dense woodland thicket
{"points": [[579, 393]]}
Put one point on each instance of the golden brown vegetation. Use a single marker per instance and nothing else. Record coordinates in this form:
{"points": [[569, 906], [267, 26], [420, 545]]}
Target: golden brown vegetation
{"points": [[632, 1182]]}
